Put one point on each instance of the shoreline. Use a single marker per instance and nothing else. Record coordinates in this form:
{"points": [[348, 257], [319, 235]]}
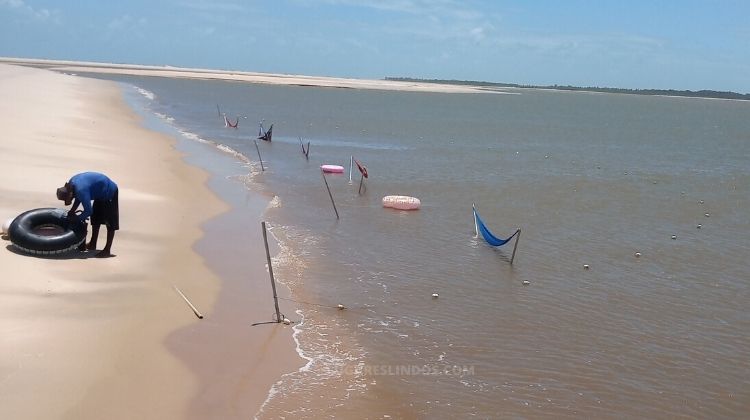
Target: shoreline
{"points": [[231, 250], [96, 336]]}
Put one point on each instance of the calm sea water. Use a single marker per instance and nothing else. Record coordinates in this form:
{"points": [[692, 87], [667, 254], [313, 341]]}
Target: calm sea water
{"points": [[590, 179]]}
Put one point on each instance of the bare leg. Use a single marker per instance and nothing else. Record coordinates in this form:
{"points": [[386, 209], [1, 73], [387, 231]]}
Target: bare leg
{"points": [[94, 236], [105, 252]]}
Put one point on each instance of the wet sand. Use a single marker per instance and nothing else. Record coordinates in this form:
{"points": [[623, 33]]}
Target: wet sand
{"points": [[88, 338]]}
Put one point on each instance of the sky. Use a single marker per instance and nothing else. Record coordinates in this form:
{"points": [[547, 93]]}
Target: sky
{"points": [[660, 44]]}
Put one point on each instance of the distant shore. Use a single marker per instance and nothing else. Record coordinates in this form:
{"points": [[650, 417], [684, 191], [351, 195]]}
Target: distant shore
{"points": [[669, 93], [252, 77]]}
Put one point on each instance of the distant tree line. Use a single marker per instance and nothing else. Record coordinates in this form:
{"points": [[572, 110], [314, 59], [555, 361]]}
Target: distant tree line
{"points": [[667, 92]]}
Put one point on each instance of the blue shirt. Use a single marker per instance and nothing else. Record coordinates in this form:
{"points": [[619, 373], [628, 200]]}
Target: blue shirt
{"points": [[89, 186]]}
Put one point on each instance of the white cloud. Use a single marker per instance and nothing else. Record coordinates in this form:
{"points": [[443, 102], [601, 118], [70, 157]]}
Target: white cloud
{"points": [[21, 7]]}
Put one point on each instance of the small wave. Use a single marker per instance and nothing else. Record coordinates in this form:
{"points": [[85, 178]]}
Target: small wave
{"points": [[192, 136], [219, 146], [146, 93], [226, 149], [275, 202], [164, 117], [329, 357]]}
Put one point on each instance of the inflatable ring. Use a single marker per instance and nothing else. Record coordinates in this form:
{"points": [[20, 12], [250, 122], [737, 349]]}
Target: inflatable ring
{"points": [[332, 169], [401, 202], [46, 231]]}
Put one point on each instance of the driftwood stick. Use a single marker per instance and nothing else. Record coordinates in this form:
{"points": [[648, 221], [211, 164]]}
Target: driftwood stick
{"points": [[195, 311]]}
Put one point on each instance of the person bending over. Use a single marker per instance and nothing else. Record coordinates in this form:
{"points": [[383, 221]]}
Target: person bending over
{"points": [[84, 188]]}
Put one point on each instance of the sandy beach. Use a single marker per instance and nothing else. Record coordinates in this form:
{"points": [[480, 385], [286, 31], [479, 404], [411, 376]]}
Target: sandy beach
{"points": [[88, 338]]}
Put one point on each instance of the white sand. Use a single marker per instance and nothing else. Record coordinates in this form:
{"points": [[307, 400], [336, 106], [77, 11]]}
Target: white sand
{"points": [[84, 338]]}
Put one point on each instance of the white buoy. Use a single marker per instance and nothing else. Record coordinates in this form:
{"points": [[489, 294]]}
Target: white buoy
{"points": [[6, 225], [526, 282], [435, 295], [701, 201], [286, 321], [674, 237], [585, 266], [699, 226], [707, 215], [637, 254], [341, 307]]}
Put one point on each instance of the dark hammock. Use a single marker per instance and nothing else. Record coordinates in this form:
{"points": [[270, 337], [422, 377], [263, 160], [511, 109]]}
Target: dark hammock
{"points": [[267, 135], [486, 234]]}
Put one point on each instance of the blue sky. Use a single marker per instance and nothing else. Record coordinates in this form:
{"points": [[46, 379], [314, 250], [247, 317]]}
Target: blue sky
{"points": [[679, 44]]}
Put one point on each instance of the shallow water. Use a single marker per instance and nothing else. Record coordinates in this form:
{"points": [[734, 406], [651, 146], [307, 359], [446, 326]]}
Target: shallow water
{"points": [[590, 179]]}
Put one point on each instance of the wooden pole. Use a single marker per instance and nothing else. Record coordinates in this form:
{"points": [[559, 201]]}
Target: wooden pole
{"points": [[305, 152], [474, 215], [262, 169], [270, 272], [329, 194], [195, 311], [351, 164], [518, 232]]}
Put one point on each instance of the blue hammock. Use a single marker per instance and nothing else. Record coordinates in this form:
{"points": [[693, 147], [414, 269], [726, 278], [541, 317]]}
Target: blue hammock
{"points": [[486, 234]]}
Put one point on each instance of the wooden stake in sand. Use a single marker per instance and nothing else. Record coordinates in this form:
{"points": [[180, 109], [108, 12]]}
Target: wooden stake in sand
{"points": [[195, 311], [270, 272], [351, 165], [329, 194], [305, 152], [262, 169]]}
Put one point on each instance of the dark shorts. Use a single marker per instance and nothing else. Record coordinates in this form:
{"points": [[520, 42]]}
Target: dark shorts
{"points": [[106, 212]]}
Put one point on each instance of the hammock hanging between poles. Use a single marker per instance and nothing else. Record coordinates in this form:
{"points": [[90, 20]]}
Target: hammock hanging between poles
{"points": [[486, 234]]}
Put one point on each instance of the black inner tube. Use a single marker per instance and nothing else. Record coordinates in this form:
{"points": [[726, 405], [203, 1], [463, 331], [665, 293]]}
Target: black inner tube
{"points": [[46, 230]]}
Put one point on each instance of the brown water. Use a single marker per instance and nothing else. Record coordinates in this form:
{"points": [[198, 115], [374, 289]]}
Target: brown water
{"points": [[590, 179]]}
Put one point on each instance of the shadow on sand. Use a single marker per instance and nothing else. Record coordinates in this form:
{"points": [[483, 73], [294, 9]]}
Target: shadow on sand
{"points": [[70, 255]]}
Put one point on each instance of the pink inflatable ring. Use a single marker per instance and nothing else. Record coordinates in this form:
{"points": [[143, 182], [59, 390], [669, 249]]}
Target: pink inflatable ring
{"points": [[401, 202], [332, 169]]}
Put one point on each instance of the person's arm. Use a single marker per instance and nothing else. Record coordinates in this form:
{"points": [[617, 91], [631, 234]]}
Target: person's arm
{"points": [[84, 198], [73, 209]]}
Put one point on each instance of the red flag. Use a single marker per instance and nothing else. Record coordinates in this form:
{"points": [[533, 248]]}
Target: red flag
{"points": [[362, 168]]}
